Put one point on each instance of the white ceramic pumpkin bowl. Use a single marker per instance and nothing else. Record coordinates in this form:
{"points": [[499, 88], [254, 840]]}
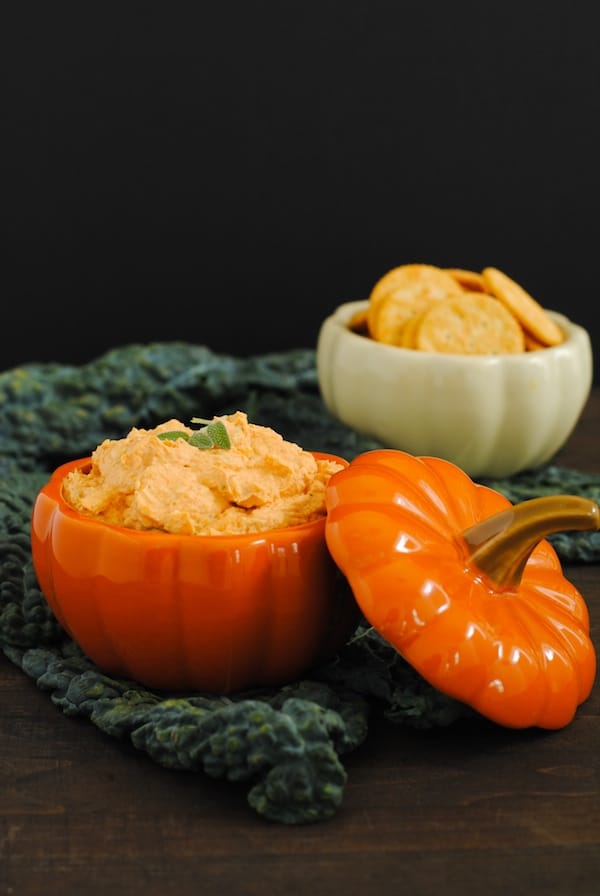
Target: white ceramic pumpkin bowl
{"points": [[492, 415]]}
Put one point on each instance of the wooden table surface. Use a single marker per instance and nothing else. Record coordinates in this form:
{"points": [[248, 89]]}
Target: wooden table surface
{"points": [[473, 809]]}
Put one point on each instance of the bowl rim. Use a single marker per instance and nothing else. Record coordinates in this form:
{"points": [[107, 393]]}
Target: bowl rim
{"points": [[341, 315], [52, 489]]}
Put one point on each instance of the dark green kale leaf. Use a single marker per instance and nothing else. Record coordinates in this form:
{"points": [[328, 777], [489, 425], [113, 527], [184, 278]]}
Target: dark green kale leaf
{"points": [[572, 547], [25, 617], [370, 666], [287, 753]]}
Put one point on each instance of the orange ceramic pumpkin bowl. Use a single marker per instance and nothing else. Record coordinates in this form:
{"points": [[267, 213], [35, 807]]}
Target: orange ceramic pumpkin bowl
{"points": [[221, 613]]}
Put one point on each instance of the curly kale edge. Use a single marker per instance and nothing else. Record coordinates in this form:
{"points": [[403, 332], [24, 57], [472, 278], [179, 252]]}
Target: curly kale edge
{"points": [[286, 743]]}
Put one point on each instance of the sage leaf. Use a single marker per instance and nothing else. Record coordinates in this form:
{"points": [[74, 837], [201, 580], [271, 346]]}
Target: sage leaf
{"points": [[201, 439], [218, 433], [172, 435]]}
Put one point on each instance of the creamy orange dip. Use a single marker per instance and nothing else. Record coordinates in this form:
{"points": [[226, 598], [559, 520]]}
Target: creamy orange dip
{"points": [[142, 482]]}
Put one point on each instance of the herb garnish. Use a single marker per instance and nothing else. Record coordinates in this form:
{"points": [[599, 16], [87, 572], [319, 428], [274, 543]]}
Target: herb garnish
{"points": [[212, 435]]}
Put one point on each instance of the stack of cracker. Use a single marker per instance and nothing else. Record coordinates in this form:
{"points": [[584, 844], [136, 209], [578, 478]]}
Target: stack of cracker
{"points": [[454, 310]]}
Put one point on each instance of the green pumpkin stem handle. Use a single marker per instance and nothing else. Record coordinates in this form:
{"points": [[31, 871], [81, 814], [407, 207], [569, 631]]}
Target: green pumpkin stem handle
{"points": [[500, 545]]}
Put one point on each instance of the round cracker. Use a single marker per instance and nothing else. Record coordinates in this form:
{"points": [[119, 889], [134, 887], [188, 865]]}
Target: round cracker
{"points": [[471, 281], [358, 322], [392, 313], [409, 284], [415, 277], [473, 323], [408, 336], [532, 344], [530, 314]]}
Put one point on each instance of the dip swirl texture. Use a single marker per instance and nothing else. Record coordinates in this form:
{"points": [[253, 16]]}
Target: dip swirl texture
{"points": [[261, 482]]}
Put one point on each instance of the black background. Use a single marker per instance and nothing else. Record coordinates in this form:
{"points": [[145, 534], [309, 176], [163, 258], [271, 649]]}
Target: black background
{"points": [[227, 173]]}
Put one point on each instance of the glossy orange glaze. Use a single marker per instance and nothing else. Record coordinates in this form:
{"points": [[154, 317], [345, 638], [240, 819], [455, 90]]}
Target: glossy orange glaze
{"points": [[519, 654], [210, 613]]}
